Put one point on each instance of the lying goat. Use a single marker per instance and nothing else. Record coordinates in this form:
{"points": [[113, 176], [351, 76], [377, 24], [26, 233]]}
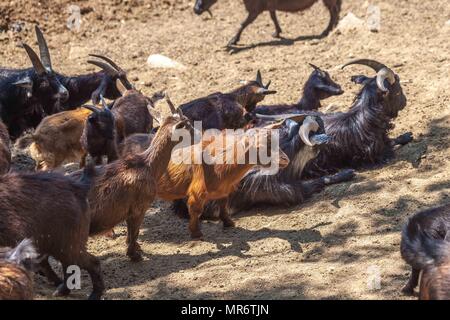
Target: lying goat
{"points": [[27, 96], [52, 209], [359, 137], [227, 110], [425, 246], [319, 86], [16, 266], [256, 7], [124, 189], [301, 140]]}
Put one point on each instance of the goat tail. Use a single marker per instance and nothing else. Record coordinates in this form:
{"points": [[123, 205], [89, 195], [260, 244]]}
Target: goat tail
{"points": [[25, 140], [89, 171], [421, 250]]}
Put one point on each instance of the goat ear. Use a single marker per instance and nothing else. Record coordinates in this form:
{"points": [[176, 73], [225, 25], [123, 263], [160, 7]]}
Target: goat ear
{"points": [[360, 79], [155, 114], [120, 87]]}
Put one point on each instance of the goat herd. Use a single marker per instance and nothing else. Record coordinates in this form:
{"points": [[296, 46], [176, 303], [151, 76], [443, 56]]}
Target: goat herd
{"points": [[46, 213]]}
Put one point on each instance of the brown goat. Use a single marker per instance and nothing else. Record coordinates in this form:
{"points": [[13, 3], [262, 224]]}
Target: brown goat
{"points": [[256, 7], [57, 139], [16, 280], [52, 209], [123, 190], [5, 149], [201, 183]]}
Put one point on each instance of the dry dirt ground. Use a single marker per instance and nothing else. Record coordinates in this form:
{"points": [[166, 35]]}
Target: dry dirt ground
{"points": [[326, 248]]}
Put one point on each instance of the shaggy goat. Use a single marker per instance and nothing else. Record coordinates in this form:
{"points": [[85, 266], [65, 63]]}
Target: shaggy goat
{"points": [[319, 86], [99, 134], [425, 246], [256, 7], [16, 266], [124, 189], [285, 187], [52, 209], [359, 137]]}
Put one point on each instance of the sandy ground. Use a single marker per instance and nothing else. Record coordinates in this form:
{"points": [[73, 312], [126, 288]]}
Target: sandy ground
{"points": [[326, 248]]}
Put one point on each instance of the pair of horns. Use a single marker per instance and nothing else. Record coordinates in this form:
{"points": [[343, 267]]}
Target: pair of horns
{"points": [[44, 63], [260, 82], [383, 72], [309, 124], [112, 69], [97, 110], [155, 113]]}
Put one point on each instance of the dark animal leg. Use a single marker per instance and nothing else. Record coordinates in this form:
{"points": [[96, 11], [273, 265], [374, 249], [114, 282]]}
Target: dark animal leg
{"points": [[133, 224], [403, 139], [112, 154], [334, 9], [273, 15], [195, 211], [224, 215], [92, 265], [48, 271], [62, 289], [408, 289], [83, 160], [250, 18], [317, 185]]}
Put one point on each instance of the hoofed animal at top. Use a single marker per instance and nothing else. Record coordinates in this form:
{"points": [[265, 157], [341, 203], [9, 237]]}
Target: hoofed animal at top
{"points": [[256, 7]]}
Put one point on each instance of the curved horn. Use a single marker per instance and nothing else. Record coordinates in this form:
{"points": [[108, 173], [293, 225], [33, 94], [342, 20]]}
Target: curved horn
{"points": [[268, 84], [121, 73], [309, 124], [170, 103], [37, 64], [104, 104], [278, 117], [43, 48], [105, 67], [259, 78], [313, 66], [92, 108], [383, 72]]}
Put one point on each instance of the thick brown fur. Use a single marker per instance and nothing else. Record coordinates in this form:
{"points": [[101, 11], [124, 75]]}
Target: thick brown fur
{"points": [[52, 210], [5, 149]]}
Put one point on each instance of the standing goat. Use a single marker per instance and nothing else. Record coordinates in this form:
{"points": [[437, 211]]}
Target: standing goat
{"points": [[425, 246], [16, 266], [319, 86], [227, 110], [123, 190], [256, 7], [359, 137], [99, 135], [52, 209]]}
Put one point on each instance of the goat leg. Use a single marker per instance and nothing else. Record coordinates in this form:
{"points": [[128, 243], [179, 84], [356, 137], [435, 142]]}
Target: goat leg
{"points": [[334, 9], [317, 185], [408, 289], [403, 139], [224, 214], [92, 265], [62, 289], [341, 176], [133, 224], [273, 16], [48, 272], [250, 18], [195, 210]]}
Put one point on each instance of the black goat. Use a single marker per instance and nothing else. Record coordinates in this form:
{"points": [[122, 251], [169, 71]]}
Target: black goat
{"points": [[319, 86], [99, 134], [425, 246], [285, 187], [256, 7], [359, 137], [28, 95], [227, 110]]}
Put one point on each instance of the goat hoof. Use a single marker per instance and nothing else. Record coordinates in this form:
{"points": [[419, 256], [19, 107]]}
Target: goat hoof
{"points": [[408, 291], [135, 257], [95, 296], [197, 236], [61, 291], [276, 35], [229, 224], [405, 138]]}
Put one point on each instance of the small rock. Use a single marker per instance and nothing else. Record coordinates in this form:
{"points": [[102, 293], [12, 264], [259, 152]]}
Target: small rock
{"points": [[349, 22], [160, 61]]}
